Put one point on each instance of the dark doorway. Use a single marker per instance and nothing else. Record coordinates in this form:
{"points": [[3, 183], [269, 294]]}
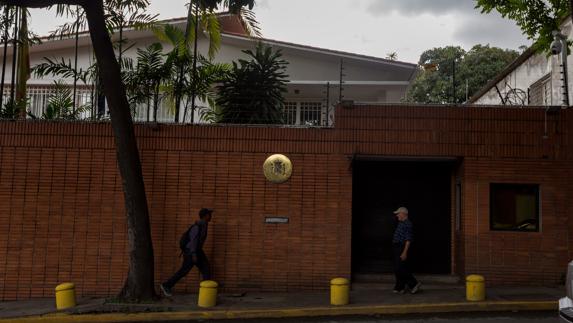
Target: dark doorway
{"points": [[379, 188]]}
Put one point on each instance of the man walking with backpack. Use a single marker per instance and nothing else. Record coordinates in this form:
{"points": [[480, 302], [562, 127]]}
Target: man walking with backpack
{"points": [[191, 244]]}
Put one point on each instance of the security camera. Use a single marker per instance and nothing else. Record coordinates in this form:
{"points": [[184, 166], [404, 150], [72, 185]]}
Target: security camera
{"points": [[556, 47]]}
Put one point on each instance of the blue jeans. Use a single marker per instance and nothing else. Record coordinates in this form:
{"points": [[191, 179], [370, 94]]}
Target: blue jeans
{"points": [[187, 265]]}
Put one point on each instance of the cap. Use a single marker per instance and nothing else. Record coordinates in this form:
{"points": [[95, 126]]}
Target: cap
{"points": [[401, 210], [205, 211]]}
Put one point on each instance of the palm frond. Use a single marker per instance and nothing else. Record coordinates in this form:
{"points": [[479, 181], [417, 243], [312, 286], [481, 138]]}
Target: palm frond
{"points": [[62, 68], [250, 22], [210, 25]]}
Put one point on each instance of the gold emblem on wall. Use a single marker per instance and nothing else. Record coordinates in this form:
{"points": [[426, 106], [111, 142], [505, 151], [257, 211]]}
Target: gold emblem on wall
{"points": [[277, 168]]}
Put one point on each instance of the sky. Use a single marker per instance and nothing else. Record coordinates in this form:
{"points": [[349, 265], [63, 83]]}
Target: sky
{"points": [[368, 27]]}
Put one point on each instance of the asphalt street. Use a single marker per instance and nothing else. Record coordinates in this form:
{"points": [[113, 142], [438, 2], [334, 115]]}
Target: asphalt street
{"points": [[544, 317]]}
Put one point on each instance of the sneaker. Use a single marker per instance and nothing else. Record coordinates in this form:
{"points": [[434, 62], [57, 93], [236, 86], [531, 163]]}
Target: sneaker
{"points": [[416, 288], [396, 291], [165, 290]]}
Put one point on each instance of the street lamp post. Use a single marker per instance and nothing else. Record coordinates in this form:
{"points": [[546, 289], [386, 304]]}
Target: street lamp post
{"points": [[454, 101], [430, 66]]}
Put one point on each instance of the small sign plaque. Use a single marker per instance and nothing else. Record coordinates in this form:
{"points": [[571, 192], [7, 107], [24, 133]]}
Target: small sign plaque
{"points": [[276, 220]]}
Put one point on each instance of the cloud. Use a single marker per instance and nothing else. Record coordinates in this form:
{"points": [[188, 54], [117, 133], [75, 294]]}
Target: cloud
{"points": [[489, 29], [417, 7], [470, 26], [262, 4]]}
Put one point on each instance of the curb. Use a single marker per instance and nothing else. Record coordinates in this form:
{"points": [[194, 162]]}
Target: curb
{"points": [[488, 306]]}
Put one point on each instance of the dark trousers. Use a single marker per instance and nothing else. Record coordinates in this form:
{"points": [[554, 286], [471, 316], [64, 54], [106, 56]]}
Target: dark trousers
{"points": [[202, 264], [402, 270]]}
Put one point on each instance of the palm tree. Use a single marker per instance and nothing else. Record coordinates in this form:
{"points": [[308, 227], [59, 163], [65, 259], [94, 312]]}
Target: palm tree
{"points": [[188, 78], [127, 13], [14, 52], [6, 25], [197, 15], [253, 91], [201, 85], [393, 56], [69, 29], [23, 73], [22, 40], [144, 82], [201, 13], [119, 14]]}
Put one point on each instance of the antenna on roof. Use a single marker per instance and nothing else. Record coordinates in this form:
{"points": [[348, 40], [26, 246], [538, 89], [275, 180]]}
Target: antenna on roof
{"points": [[341, 82], [327, 105]]}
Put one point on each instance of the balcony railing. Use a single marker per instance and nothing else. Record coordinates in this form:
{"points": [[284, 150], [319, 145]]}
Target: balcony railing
{"points": [[306, 113]]}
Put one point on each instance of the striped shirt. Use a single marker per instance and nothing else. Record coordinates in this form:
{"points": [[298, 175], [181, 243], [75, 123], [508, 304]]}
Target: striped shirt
{"points": [[403, 232]]}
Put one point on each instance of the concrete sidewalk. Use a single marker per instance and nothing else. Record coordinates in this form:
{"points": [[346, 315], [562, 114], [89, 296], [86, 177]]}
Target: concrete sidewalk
{"points": [[365, 300]]}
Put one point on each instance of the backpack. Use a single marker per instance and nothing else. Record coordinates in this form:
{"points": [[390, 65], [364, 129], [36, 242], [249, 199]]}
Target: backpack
{"points": [[184, 240]]}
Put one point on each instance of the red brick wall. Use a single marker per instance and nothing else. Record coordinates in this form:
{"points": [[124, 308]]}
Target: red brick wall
{"points": [[61, 204], [517, 257]]}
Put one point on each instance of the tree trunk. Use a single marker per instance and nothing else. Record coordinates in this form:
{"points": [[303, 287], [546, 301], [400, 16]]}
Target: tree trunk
{"points": [[14, 55], [76, 59], [194, 82], [5, 43], [139, 283], [23, 73], [155, 102], [100, 96], [120, 54], [148, 108]]}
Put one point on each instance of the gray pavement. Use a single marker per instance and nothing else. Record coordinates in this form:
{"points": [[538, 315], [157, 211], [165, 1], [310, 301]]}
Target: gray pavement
{"points": [[542, 317], [375, 294]]}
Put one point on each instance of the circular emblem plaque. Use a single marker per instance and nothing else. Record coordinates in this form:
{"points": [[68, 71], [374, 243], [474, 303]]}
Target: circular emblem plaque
{"points": [[277, 169]]}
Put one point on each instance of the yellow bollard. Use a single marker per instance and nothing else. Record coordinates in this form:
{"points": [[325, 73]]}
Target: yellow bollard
{"points": [[339, 291], [475, 288], [208, 294], [65, 296]]}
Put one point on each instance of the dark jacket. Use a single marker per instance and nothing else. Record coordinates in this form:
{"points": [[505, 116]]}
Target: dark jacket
{"points": [[197, 237]]}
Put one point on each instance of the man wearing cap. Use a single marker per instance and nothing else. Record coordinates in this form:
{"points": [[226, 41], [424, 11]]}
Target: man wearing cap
{"points": [[193, 253], [401, 245]]}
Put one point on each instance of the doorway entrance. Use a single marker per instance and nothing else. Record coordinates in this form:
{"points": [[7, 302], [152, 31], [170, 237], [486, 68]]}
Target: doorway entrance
{"points": [[379, 188]]}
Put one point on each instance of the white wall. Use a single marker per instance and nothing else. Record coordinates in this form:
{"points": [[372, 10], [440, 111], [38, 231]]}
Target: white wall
{"points": [[531, 71], [309, 69], [303, 65]]}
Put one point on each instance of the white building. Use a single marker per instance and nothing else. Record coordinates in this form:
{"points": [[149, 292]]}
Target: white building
{"points": [[533, 79], [313, 72]]}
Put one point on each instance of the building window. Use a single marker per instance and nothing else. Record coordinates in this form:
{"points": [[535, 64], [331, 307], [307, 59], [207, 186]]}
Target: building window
{"points": [[304, 113], [514, 207], [311, 113], [540, 92], [290, 112]]}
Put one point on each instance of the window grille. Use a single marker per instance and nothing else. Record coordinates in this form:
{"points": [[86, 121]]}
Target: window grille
{"points": [[39, 95], [290, 113], [540, 92], [307, 113], [311, 113]]}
